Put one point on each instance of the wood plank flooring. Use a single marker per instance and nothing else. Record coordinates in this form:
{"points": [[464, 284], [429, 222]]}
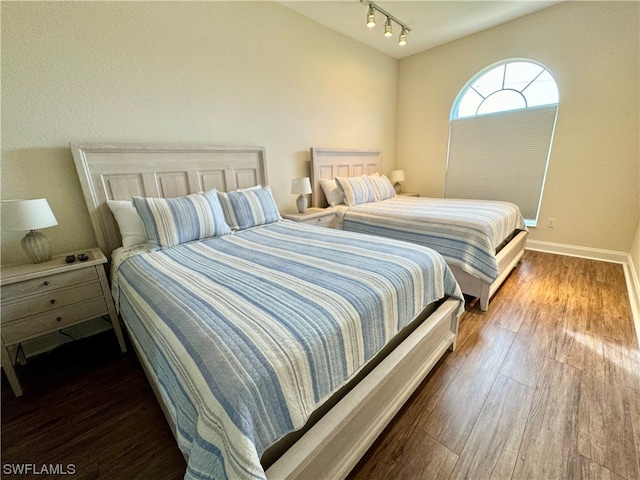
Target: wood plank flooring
{"points": [[546, 385], [543, 386]]}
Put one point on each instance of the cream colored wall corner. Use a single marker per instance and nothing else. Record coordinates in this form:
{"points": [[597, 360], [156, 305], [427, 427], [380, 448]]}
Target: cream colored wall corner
{"points": [[592, 48], [220, 73]]}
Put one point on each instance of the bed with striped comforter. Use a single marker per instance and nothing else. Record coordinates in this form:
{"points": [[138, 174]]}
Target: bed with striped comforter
{"points": [[249, 333], [466, 232]]}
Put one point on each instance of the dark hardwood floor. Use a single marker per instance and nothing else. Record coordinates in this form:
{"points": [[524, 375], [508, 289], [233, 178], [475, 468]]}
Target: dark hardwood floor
{"points": [[546, 385], [87, 405]]}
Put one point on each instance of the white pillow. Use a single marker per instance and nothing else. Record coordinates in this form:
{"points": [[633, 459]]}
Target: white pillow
{"points": [[331, 192], [129, 222]]}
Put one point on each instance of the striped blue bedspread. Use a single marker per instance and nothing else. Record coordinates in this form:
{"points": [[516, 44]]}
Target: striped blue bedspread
{"points": [[249, 333], [466, 232]]}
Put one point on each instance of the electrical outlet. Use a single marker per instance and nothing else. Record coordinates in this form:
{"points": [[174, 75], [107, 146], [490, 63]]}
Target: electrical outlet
{"points": [[551, 223]]}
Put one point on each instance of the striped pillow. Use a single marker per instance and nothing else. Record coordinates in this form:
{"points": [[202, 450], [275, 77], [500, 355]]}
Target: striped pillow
{"points": [[249, 208], [356, 190], [172, 221], [383, 187]]}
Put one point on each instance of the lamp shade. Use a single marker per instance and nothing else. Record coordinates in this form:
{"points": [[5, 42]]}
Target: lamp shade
{"points": [[20, 215], [301, 186], [396, 176]]}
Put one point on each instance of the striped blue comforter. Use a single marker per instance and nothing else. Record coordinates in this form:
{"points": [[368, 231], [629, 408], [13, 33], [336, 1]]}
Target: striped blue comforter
{"points": [[466, 232], [249, 333]]}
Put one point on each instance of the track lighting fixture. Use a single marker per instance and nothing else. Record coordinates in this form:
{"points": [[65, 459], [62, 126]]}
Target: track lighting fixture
{"points": [[371, 22]]}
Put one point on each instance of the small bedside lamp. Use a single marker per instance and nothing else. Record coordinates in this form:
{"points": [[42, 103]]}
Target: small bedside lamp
{"points": [[396, 177], [302, 187], [19, 215]]}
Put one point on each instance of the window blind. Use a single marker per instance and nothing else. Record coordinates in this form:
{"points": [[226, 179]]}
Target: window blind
{"points": [[502, 156]]}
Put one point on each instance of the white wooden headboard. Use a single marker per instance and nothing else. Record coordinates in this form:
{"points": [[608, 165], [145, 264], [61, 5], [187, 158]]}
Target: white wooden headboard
{"points": [[120, 171], [328, 163]]}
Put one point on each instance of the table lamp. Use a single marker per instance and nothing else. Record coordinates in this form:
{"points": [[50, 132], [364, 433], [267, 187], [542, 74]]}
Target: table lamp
{"points": [[301, 186], [396, 177], [19, 215]]}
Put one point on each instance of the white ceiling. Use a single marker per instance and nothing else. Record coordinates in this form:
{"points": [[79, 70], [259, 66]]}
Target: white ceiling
{"points": [[432, 23]]}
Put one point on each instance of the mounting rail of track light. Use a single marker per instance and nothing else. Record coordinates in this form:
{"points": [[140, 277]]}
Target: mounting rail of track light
{"points": [[371, 21]]}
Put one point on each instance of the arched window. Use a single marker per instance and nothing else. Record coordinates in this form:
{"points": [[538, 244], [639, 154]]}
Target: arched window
{"points": [[501, 129]]}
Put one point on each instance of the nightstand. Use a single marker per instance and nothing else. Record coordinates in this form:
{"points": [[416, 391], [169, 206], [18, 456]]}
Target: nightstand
{"points": [[41, 298], [409, 194], [322, 217]]}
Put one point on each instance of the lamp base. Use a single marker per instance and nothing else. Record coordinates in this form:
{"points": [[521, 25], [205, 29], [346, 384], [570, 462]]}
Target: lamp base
{"points": [[301, 203], [37, 247], [397, 187]]}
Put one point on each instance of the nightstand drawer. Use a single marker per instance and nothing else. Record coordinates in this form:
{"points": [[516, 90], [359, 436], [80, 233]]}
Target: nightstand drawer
{"points": [[37, 325], [323, 221], [50, 301], [322, 217], [47, 283]]}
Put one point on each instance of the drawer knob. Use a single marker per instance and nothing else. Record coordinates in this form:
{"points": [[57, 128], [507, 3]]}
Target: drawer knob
{"points": [[46, 283], [52, 301], [58, 319]]}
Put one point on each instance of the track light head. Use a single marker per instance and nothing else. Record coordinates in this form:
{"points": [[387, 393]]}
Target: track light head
{"points": [[371, 17], [403, 37], [387, 28]]}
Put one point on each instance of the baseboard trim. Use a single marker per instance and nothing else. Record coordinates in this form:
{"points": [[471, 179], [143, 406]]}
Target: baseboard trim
{"points": [[630, 275], [577, 251], [633, 289]]}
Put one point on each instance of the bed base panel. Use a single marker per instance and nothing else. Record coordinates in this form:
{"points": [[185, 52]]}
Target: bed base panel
{"points": [[507, 258], [335, 444]]}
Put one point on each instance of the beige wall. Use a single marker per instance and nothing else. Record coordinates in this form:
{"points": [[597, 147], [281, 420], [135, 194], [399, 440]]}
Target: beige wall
{"points": [[227, 73], [260, 74], [592, 50]]}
